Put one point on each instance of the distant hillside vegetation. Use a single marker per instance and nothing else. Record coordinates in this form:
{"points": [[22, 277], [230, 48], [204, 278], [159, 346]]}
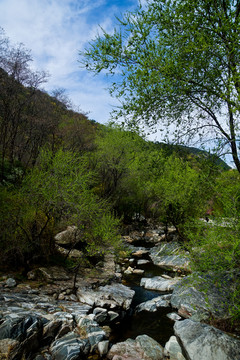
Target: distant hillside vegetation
{"points": [[190, 153]]}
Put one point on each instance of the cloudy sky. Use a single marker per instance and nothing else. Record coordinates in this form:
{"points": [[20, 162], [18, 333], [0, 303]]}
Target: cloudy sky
{"points": [[55, 31]]}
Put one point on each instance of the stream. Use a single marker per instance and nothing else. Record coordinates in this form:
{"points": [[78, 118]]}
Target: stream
{"points": [[154, 324]]}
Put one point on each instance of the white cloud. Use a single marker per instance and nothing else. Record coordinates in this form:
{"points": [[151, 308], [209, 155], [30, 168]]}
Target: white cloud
{"points": [[55, 31]]}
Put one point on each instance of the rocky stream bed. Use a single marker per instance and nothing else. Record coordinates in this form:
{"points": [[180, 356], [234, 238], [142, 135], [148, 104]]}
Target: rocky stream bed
{"points": [[146, 306]]}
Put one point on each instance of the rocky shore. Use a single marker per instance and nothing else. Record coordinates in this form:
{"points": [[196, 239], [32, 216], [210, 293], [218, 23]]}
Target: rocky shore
{"points": [[44, 318]]}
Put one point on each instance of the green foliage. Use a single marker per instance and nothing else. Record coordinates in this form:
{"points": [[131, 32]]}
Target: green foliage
{"points": [[55, 193], [181, 192], [215, 249], [139, 179], [61, 187], [176, 63], [215, 246], [116, 163], [227, 198]]}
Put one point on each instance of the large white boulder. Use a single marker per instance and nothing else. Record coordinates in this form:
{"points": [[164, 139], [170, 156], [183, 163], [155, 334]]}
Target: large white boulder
{"points": [[201, 341]]}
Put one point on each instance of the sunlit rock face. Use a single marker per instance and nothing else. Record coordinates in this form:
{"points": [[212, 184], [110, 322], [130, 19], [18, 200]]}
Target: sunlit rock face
{"points": [[201, 341]]}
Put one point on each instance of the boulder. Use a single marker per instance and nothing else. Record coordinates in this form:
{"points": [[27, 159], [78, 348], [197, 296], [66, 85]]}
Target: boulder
{"points": [[27, 330], [128, 271], [159, 283], [108, 296], [20, 327], [10, 283], [74, 253], [172, 350], [75, 309], [50, 330], [89, 329], [143, 347], [154, 304], [112, 315], [170, 256], [100, 315], [70, 347], [53, 273], [174, 316], [201, 341], [200, 296], [103, 347], [68, 237]]}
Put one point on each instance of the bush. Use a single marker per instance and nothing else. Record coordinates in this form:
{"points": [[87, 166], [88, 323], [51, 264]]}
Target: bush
{"points": [[55, 193]]}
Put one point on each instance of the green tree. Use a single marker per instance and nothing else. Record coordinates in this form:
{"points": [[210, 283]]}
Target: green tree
{"points": [[227, 195], [215, 246], [116, 151], [176, 62], [182, 193], [56, 193]]}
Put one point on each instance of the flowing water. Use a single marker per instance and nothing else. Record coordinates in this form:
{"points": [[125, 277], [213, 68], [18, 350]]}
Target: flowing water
{"points": [[154, 324]]}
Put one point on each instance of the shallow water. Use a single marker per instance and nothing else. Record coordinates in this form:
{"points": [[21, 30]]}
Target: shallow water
{"points": [[154, 324]]}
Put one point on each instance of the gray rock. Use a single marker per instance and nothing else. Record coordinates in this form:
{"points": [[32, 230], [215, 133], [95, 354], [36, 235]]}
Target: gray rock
{"points": [[112, 315], [68, 237], [91, 331], [70, 347], [11, 283], [128, 271], [109, 296], [73, 297], [64, 317], [201, 341], [50, 330], [170, 256], [172, 349], [143, 262], [54, 273], [109, 266], [154, 304], [200, 296], [74, 253], [103, 347], [20, 328], [27, 330], [61, 296], [39, 357], [143, 347], [159, 283], [151, 348], [138, 271], [173, 316], [75, 309], [100, 315]]}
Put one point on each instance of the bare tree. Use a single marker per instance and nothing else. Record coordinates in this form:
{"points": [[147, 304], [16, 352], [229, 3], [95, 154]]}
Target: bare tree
{"points": [[18, 88]]}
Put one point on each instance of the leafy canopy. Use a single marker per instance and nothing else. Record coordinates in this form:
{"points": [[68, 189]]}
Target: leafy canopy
{"points": [[176, 62]]}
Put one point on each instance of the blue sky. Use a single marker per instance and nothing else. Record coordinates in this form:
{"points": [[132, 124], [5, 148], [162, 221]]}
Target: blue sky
{"points": [[55, 31]]}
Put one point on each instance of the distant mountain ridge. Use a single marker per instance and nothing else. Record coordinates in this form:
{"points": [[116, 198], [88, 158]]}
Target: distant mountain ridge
{"points": [[190, 151]]}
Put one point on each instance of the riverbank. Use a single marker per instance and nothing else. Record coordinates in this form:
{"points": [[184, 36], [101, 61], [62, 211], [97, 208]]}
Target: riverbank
{"points": [[148, 297]]}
